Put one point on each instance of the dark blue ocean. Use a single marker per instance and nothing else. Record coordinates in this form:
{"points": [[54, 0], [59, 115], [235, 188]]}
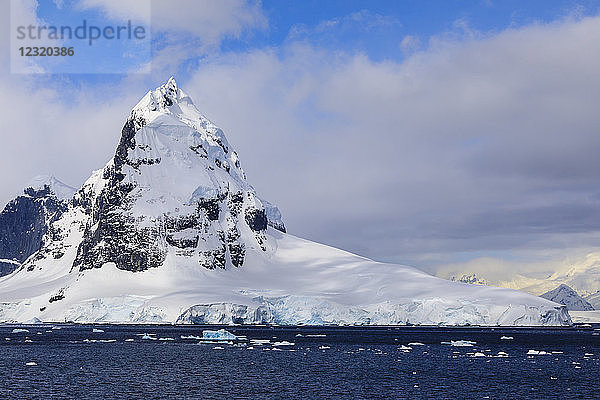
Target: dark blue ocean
{"points": [[74, 362]]}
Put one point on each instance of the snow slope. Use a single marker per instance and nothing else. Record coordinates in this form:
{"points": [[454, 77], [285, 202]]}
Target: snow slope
{"points": [[170, 231]]}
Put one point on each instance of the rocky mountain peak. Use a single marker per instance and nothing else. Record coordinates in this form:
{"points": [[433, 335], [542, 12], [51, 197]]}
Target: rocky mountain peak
{"points": [[568, 297]]}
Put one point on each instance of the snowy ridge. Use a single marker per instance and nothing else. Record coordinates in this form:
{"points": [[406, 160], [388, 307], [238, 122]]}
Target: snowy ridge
{"points": [[61, 190], [171, 231]]}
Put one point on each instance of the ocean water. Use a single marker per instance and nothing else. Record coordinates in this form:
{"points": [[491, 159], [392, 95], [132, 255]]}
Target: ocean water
{"points": [[74, 362]]}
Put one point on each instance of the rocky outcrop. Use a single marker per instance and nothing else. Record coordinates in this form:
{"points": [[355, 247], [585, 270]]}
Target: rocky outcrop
{"points": [[566, 296], [24, 222]]}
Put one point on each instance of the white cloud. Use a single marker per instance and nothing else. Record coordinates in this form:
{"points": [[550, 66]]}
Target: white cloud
{"points": [[410, 43], [209, 20], [487, 143]]}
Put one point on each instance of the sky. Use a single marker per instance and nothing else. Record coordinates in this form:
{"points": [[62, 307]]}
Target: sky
{"points": [[426, 133]]}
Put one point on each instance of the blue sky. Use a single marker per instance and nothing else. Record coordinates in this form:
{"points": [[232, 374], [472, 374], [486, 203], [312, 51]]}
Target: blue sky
{"points": [[375, 28], [420, 132]]}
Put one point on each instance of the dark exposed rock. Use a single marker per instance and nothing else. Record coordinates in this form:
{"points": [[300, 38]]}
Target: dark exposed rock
{"points": [[210, 207], [113, 235], [7, 268], [256, 219], [23, 223]]}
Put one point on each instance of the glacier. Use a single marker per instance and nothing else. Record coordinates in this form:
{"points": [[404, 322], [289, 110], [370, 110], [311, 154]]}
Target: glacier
{"points": [[170, 231]]}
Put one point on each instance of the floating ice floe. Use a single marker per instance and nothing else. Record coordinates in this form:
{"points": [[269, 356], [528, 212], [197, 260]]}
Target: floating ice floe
{"points": [[506, 338], [416, 344], [20, 330], [166, 339], [403, 347], [146, 336], [190, 337], [478, 354], [95, 330], [283, 343], [324, 347], [589, 355], [129, 340], [460, 343], [317, 335], [536, 353], [31, 364], [259, 342], [220, 335], [218, 348], [502, 354]]}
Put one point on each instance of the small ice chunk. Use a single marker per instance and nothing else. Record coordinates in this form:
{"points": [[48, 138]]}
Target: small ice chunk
{"points": [[31, 364], [218, 348], [589, 354], [317, 335], [536, 353], [478, 354], [324, 347], [166, 339], [20, 330], [403, 347], [220, 335], [299, 335], [190, 337], [129, 340], [283, 343], [148, 337], [416, 344], [259, 342], [506, 338], [95, 330], [460, 343]]}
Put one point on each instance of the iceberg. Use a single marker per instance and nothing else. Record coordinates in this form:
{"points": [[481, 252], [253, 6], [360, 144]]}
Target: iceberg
{"points": [[220, 335]]}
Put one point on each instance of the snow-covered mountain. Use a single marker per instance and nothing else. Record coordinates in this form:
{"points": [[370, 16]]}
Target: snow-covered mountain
{"points": [[171, 231], [568, 297], [26, 219], [582, 274]]}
